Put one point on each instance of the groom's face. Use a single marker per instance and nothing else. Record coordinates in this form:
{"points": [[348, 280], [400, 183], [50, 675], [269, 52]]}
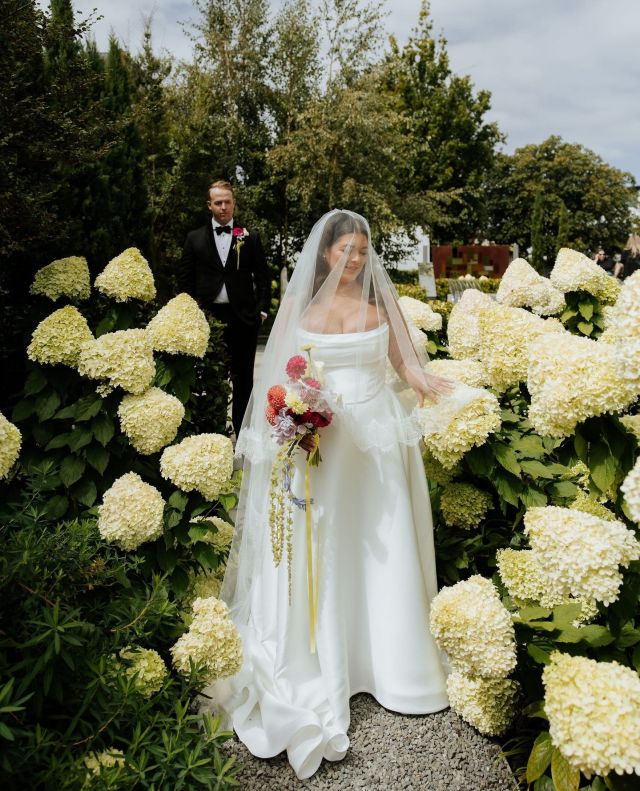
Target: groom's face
{"points": [[221, 203]]}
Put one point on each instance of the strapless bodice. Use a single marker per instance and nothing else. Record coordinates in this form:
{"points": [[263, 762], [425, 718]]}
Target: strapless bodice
{"points": [[353, 364]]}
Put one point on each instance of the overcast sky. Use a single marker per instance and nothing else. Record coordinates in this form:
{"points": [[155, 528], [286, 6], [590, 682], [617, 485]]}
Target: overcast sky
{"points": [[566, 67]]}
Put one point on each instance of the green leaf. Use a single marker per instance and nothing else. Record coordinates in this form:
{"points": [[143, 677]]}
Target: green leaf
{"points": [[568, 314], [65, 412], [57, 506], [46, 404], [507, 458], [533, 498], [529, 445], [61, 441], [167, 558], [585, 327], [71, 470], [102, 428], [179, 581], [544, 783], [206, 555], [540, 757], [536, 468], [181, 390], [565, 777], [35, 382], [563, 489], [538, 654], [88, 406], [534, 613], [508, 487], [603, 465], [480, 461], [86, 492], [586, 310], [635, 659], [197, 532], [22, 410], [565, 614], [178, 500], [79, 438], [580, 445], [98, 457]]}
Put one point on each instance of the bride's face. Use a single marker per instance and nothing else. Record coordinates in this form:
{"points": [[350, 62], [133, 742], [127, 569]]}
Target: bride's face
{"points": [[351, 251]]}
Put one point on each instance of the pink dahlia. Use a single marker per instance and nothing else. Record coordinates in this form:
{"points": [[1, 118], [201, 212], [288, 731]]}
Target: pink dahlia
{"points": [[296, 367]]}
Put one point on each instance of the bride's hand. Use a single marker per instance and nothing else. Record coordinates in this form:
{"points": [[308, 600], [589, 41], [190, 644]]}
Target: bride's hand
{"points": [[428, 386]]}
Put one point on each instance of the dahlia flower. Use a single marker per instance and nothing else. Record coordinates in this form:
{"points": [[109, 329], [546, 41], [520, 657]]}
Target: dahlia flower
{"points": [[470, 623], [150, 420], [124, 358], [212, 642], [65, 277], [573, 271], [594, 713], [522, 287], [58, 339], [487, 704], [203, 462], [180, 327], [127, 276], [131, 512]]}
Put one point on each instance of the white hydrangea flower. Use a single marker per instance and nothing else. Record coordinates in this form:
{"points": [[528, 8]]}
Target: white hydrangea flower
{"points": [[572, 379], [594, 713], [220, 538], [583, 501], [521, 574], [623, 330], [202, 585], [10, 444], [150, 420], [579, 554], [94, 761], [469, 372], [180, 327], [487, 704], [464, 505], [212, 642], [436, 472], [420, 314], [203, 462], [65, 277], [147, 666], [58, 339], [131, 512], [462, 327], [123, 358], [631, 490], [127, 276], [505, 337], [522, 287], [470, 623], [632, 424], [458, 422], [573, 271]]}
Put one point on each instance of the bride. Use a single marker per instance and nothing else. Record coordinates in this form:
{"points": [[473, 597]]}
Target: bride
{"points": [[370, 520]]}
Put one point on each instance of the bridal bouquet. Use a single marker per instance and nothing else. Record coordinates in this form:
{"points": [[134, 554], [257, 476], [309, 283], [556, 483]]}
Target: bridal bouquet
{"points": [[296, 411]]}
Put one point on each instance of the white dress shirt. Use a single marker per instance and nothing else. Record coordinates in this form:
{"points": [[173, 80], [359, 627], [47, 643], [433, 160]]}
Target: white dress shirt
{"points": [[223, 245]]}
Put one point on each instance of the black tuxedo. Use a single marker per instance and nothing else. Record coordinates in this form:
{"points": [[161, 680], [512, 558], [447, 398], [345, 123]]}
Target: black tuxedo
{"points": [[248, 283]]}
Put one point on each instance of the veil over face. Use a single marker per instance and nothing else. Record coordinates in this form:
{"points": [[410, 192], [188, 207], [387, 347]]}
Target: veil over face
{"points": [[339, 286]]}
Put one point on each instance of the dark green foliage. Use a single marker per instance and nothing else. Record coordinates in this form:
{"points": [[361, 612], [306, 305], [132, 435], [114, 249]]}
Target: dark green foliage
{"points": [[539, 241], [68, 604]]}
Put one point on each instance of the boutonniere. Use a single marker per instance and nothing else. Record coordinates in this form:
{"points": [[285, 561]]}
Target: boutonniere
{"points": [[239, 234]]}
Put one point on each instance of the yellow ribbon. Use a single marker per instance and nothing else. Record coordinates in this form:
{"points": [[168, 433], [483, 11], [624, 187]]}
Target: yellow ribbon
{"points": [[312, 584]]}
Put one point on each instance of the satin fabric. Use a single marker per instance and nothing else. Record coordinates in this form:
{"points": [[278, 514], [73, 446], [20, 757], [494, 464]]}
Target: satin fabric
{"points": [[372, 526]]}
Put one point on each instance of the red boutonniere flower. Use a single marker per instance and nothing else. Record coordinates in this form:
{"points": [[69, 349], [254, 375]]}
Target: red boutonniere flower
{"points": [[239, 234]]}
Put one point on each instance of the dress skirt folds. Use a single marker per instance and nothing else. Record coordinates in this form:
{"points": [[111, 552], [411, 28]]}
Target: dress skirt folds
{"points": [[372, 528]]}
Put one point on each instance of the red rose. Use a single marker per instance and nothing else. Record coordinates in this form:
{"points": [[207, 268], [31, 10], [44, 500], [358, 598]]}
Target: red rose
{"points": [[317, 419], [238, 231], [276, 397]]}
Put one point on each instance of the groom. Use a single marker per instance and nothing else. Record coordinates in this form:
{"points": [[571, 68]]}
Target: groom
{"points": [[223, 267]]}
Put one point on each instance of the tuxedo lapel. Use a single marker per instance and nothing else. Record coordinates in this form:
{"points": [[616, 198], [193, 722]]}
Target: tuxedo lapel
{"points": [[215, 255]]}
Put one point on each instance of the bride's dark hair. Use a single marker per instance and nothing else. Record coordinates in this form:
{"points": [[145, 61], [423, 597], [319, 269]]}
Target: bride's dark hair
{"points": [[339, 225]]}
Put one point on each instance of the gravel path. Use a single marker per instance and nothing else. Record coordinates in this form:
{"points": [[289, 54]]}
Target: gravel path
{"points": [[389, 752]]}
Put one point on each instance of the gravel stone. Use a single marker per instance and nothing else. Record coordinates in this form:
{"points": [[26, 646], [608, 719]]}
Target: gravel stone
{"points": [[391, 752]]}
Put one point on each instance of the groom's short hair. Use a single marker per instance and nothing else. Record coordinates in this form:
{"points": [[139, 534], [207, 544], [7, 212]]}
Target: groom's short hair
{"points": [[221, 185]]}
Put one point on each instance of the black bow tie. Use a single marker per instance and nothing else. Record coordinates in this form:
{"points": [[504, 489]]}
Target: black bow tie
{"points": [[222, 229]]}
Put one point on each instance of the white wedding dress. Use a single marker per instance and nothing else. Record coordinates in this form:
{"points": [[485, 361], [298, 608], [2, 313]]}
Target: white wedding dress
{"points": [[373, 528]]}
